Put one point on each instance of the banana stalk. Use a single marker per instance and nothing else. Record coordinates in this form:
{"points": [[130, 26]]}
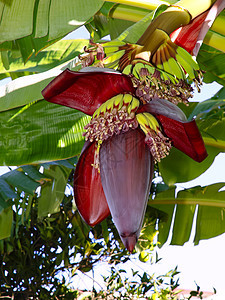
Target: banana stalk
{"points": [[174, 17], [151, 5], [129, 13], [135, 14], [218, 25], [194, 8], [215, 40]]}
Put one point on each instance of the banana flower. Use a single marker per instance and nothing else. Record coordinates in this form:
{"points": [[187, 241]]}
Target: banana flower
{"points": [[124, 139]]}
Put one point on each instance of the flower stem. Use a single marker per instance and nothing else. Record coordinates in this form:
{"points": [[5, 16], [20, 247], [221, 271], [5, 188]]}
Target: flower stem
{"points": [[188, 201], [194, 8], [135, 14], [215, 40], [128, 13], [168, 21], [151, 5], [218, 25], [214, 143], [125, 12]]}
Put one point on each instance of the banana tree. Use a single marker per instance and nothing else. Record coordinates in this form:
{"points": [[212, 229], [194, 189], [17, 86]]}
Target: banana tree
{"points": [[129, 93]]}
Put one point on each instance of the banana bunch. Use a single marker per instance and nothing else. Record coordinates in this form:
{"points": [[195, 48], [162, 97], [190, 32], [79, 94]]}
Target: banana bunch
{"points": [[113, 53], [147, 122], [122, 101], [176, 61], [159, 145], [119, 54], [112, 117], [151, 82], [141, 69]]}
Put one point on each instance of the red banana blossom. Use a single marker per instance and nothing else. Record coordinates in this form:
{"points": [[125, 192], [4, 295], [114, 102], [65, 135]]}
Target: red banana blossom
{"points": [[124, 139]]}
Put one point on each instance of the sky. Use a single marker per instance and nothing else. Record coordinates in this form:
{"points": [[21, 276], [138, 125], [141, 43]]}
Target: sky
{"points": [[203, 264]]}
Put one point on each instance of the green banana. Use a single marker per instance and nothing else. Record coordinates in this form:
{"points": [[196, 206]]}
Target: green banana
{"points": [[176, 70], [127, 98], [114, 57], [111, 51], [152, 122], [167, 76], [187, 57], [136, 69], [133, 105], [113, 65], [143, 122], [189, 70], [118, 101], [127, 69], [109, 105], [150, 69], [166, 67]]}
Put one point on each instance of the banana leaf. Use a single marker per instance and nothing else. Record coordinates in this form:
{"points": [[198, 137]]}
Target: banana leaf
{"points": [[206, 204]]}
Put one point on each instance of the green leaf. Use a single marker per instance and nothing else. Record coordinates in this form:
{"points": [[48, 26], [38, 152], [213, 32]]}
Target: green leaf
{"points": [[41, 132], [52, 191], [106, 8], [65, 15], [5, 60], [6, 219], [6, 193], [116, 27], [167, 207], [52, 56], [134, 32], [178, 167], [208, 109], [17, 20], [44, 18], [68, 163], [26, 47], [41, 28], [12, 95], [182, 224], [33, 172], [21, 181], [98, 27], [213, 62], [210, 221]]}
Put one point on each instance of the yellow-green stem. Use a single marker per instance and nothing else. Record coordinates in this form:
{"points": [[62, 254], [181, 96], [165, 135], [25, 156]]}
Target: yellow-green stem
{"points": [[219, 25], [173, 17], [214, 143], [128, 13], [135, 14], [194, 7], [158, 37], [168, 21], [215, 40], [189, 201], [151, 5]]}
